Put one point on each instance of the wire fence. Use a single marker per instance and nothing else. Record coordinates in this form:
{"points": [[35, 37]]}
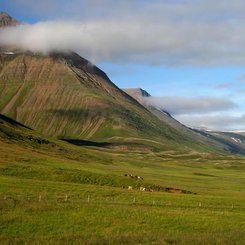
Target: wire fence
{"points": [[98, 200]]}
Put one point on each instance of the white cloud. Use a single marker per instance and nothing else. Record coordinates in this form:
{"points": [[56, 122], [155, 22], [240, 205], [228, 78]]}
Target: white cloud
{"points": [[187, 33], [200, 112], [177, 105], [218, 122]]}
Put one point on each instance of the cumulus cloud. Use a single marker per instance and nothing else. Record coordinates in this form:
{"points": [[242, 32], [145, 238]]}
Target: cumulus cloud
{"points": [[189, 33], [177, 105], [51, 36], [108, 41]]}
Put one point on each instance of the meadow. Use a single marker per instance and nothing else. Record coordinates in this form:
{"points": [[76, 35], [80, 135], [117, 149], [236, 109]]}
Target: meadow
{"points": [[68, 194]]}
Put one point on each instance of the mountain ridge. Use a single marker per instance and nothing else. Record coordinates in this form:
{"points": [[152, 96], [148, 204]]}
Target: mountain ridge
{"points": [[77, 99], [63, 95]]}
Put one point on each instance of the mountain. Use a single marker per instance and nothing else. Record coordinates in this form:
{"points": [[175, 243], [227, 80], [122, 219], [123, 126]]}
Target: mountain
{"points": [[65, 96], [137, 93], [140, 95], [215, 140], [7, 20], [234, 140]]}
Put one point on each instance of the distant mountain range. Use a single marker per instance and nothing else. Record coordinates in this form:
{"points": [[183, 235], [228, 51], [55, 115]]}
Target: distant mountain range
{"points": [[234, 141], [63, 95]]}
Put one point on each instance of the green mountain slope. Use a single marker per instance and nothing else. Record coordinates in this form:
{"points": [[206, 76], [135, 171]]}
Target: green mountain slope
{"points": [[65, 96], [27, 154]]}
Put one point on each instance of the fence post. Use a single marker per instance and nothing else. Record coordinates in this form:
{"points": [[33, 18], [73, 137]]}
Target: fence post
{"points": [[134, 200]]}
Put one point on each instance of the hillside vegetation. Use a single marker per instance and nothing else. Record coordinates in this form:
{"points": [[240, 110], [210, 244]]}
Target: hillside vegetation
{"points": [[53, 192], [65, 96]]}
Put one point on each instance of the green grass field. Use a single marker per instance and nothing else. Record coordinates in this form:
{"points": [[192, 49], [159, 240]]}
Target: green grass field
{"points": [[57, 193], [38, 212]]}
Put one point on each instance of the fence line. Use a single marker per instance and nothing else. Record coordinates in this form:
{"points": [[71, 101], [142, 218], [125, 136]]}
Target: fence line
{"points": [[89, 199]]}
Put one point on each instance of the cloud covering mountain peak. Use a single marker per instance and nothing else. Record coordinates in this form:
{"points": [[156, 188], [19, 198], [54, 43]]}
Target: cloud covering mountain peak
{"points": [[143, 38]]}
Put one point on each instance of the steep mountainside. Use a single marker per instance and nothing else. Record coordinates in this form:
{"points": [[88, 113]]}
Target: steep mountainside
{"points": [[64, 95]]}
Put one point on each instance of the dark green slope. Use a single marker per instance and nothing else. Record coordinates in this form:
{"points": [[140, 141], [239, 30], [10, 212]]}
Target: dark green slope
{"points": [[26, 154], [14, 134]]}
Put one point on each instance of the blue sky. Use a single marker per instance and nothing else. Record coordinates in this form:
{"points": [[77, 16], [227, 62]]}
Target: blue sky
{"points": [[190, 53]]}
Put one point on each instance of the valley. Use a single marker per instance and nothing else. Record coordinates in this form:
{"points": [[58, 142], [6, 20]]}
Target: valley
{"points": [[55, 192], [85, 162]]}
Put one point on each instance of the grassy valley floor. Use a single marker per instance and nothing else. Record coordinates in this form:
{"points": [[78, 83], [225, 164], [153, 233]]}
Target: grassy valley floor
{"points": [[68, 194]]}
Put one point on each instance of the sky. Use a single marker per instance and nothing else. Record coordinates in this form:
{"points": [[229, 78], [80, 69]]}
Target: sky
{"points": [[188, 54]]}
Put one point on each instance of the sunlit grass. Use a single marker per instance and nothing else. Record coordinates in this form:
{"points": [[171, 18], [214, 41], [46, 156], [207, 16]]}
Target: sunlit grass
{"points": [[57, 193]]}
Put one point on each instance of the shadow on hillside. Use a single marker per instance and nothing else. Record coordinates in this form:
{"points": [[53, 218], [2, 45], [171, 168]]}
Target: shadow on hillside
{"points": [[86, 143], [12, 121]]}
